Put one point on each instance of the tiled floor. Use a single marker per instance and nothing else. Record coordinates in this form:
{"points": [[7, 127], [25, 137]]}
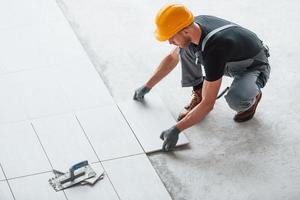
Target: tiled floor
{"points": [[11, 109], [28, 13], [20, 151], [102, 190], [110, 135], [34, 187], [137, 179], [62, 135], [254, 160], [147, 119], [5, 193], [57, 111]]}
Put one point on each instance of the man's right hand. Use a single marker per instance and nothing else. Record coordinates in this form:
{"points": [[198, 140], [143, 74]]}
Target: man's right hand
{"points": [[140, 93]]}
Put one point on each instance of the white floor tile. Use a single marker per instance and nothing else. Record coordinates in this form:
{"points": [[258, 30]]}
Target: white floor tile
{"points": [[40, 93], [101, 190], [108, 132], [21, 50], [5, 193], [84, 87], [15, 13], [20, 151], [41, 46], [35, 187], [64, 141], [134, 178], [148, 119], [10, 107], [1, 69], [62, 48]]}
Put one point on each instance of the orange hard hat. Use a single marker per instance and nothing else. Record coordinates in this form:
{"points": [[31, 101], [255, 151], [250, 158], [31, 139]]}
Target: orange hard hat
{"points": [[170, 19]]}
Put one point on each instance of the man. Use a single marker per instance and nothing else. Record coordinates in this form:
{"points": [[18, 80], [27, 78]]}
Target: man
{"points": [[222, 48]]}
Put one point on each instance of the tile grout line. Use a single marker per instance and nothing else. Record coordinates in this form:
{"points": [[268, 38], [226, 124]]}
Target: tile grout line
{"points": [[97, 156], [36, 134], [131, 128], [28, 175], [45, 152], [121, 157], [57, 114], [145, 152], [6, 180]]}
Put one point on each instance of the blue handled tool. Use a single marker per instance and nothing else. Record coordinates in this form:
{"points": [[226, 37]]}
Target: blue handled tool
{"points": [[77, 174]]}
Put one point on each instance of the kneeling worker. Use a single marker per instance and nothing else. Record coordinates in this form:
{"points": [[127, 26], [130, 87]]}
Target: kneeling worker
{"points": [[223, 48]]}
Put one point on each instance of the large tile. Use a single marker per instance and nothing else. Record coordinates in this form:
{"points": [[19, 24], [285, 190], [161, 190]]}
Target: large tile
{"points": [[16, 13], [62, 47], [5, 193], [20, 151], [10, 101], [35, 187], [84, 87], [40, 93], [108, 132], [101, 190], [64, 141], [1, 69], [134, 178], [20, 49], [148, 119], [41, 46]]}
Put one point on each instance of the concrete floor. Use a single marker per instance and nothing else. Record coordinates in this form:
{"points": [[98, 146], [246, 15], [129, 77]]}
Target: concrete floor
{"points": [[254, 160]]}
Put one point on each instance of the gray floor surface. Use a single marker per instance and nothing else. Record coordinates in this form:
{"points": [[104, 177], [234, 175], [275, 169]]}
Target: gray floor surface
{"points": [[254, 160]]}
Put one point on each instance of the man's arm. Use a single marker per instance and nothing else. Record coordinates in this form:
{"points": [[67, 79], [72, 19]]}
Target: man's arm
{"points": [[165, 67], [209, 93]]}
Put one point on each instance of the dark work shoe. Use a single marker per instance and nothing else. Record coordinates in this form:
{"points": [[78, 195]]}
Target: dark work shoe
{"points": [[196, 99], [248, 114]]}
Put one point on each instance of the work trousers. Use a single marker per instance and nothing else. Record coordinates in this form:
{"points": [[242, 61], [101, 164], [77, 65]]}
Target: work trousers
{"points": [[249, 76]]}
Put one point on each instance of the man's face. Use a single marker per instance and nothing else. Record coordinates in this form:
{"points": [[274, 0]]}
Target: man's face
{"points": [[180, 39]]}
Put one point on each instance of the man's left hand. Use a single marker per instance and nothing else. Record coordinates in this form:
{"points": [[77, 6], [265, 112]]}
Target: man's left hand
{"points": [[170, 137]]}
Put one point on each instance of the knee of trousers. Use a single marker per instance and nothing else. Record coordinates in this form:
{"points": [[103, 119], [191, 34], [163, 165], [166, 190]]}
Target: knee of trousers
{"points": [[239, 100]]}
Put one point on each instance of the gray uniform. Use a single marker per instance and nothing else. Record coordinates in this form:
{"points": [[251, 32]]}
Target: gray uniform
{"points": [[227, 49]]}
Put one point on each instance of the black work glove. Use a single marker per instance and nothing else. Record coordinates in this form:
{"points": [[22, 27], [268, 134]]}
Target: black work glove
{"points": [[140, 93], [170, 137]]}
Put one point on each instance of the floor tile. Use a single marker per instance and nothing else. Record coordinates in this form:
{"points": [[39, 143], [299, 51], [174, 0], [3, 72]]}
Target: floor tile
{"points": [[134, 178], [5, 193], [108, 132], [20, 49], [1, 69], [20, 151], [62, 48], [148, 119], [101, 190], [84, 87], [40, 93], [15, 13], [35, 187], [64, 141], [10, 106], [41, 46]]}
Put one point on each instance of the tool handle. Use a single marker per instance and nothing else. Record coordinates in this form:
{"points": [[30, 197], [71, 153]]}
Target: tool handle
{"points": [[77, 166]]}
